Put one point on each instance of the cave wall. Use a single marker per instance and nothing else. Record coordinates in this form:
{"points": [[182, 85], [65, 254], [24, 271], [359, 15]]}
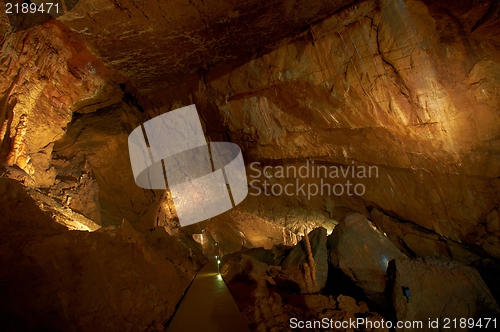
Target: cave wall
{"points": [[47, 74], [114, 279], [408, 86], [411, 87], [52, 80], [65, 119]]}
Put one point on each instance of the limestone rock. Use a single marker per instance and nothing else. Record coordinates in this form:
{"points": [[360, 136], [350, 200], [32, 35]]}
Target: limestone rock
{"points": [[417, 241], [96, 176], [362, 252], [491, 244], [319, 302], [253, 268], [493, 221], [381, 83], [55, 279], [50, 74], [295, 262], [439, 290], [411, 87], [272, 256], [230, 270], [349, 304], [189, 25]]}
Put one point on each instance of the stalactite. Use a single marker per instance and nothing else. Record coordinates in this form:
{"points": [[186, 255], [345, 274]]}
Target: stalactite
{"points": [[3, 130], [17, 155]]}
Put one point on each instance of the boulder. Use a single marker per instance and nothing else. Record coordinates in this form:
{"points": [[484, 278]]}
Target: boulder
{"points": [[418, 241], [253, 263], [273, 256], [491, 244], [438, 290], [253, 268], [362, 252], [349, 304], [294, 265], [58, 280], [230, 270], [315, 302]]}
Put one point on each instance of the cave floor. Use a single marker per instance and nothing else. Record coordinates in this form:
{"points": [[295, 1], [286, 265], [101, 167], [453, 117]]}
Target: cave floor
{"points": [[208, 306]]}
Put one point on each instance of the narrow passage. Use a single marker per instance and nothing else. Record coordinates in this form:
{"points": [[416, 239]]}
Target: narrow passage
{"points": [[208, 306]]}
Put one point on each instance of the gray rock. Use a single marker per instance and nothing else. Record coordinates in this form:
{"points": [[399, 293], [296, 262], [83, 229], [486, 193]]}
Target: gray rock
{"points": [[362, 252], [439, 290], [272, 256], [253, 268]]}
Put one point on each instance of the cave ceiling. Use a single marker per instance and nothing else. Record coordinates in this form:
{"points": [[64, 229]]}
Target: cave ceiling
{"points": [[153, 43]]}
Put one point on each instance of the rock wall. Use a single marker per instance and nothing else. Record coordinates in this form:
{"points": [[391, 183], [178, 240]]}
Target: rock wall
{"points": [[65, 120], [115, 279], [47, 74], [406, 86], [410, 87]]}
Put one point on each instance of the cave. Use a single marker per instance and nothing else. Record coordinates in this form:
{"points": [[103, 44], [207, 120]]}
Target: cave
{"points": [[280, 165]]}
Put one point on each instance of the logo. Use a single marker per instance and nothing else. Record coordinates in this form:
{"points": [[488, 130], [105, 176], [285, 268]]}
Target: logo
{"points": [[170, 151]]}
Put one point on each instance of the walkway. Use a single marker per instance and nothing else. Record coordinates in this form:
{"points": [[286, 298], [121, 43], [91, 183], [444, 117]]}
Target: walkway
{"points": [[208, 306]]}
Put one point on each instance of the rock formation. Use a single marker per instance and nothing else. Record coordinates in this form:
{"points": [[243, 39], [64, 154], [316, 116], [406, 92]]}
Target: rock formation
{"points": [[306, 264], [363, 253], [115, 279], [439, 291], [376, 120]]}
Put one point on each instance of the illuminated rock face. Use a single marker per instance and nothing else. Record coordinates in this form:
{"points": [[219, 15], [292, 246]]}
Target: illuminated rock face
{"points": [[155, 43], [405, 86], [47, 74], [363, 253], [409, 87], [400, 85]]}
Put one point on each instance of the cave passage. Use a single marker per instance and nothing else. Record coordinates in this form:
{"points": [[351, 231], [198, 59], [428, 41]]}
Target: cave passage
{"points": [[362, 182], [208, 306]]}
